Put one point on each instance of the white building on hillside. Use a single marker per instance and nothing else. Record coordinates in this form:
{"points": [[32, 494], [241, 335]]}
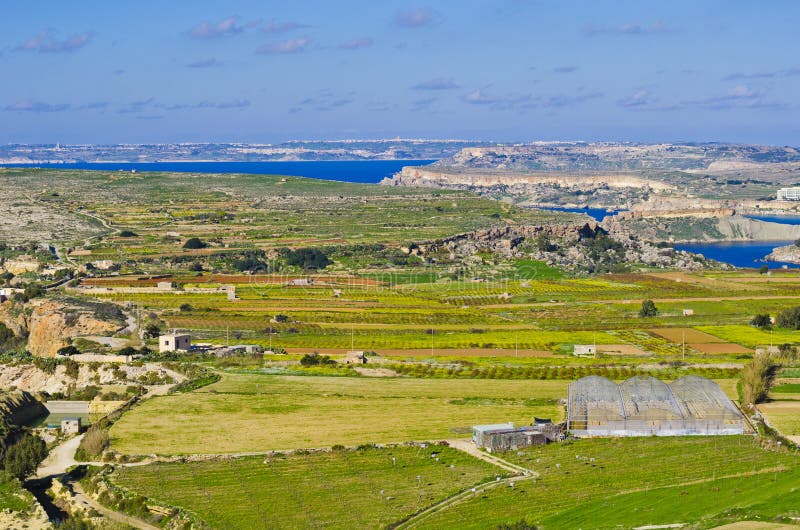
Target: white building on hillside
{"points": [[789, 194], [174, 342]]}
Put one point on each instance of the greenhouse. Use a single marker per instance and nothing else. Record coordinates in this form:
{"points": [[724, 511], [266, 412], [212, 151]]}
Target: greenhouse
{"points": [[646, 406]]}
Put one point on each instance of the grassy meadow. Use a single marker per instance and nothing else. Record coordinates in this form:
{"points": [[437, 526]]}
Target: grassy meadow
{"points": [[587, 484], [365, 488], [581, 484], [269, 412]]}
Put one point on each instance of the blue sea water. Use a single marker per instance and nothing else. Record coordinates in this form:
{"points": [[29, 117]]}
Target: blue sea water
{"points": [[595, 213], [360, 171], [739, 253], [781, 219]]}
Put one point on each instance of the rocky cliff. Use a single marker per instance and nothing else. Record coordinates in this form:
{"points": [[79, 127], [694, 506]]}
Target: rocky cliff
{"points": [[52, 323], [712, 225], [443, 177], [48, 324], [788, 254]]}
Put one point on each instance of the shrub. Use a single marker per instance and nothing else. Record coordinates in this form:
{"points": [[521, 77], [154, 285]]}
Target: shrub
{"points": [[307, 258], [22, 458], [69, 350], [648, 309], [127, 233], [94, 442], [762, 321], [315, 359], [757, 378], [789, 318], [185, 308], [194, 243]]}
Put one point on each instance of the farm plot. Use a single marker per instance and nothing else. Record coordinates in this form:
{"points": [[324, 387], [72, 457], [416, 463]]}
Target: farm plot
{"points": [[688, 335], [588, 473], [368, 488], [783, 415], [752, 337], [282, 412]]}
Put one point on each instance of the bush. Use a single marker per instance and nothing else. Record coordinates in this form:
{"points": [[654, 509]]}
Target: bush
{"points": [[22, 458], [127, 233], [5, 334], [194, 243], [757, 378], [648, 309], [68, 351], [789, 318], [315, 359], [307, 258], [762, 321], [185, 308], [94, 442]]}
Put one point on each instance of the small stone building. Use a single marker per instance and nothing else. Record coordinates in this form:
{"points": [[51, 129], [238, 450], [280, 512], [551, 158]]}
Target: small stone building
{"points": [[585, 350], [355, 357], [71, 426], [507, 437], [174, 342]]}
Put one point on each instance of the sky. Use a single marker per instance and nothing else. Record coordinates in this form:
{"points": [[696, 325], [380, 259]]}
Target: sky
{"points": [[502, 70]]}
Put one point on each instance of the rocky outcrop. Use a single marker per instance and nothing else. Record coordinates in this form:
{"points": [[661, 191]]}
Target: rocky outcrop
{"points": [[442, 177], [699, 226], [787, 254], [15, 317], [31, 378], [51, 323]]}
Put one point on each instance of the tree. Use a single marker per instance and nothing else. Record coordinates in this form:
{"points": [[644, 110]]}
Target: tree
{"points": [[648, 309], [127, 233], [22, 458], [315, 359], [789, 318], [194, 243], [307, 258], [763, 269], [185, 308], [152, 331], [762, 321]]}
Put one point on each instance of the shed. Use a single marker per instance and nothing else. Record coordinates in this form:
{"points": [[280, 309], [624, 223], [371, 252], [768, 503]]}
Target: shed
{"points": [[71, 425], [585, 349], [478, 431], [355, 357], [688, 312], [174, 342], [164, 286], [512, 439]]}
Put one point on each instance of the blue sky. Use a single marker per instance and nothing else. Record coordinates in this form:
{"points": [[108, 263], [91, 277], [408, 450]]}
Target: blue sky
{"points": [[505, 70]]}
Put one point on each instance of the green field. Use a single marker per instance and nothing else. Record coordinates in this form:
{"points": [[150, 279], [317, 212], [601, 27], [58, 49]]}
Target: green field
{"points": [[587, 484], [270, 412], [582, 484], [367, 488]]}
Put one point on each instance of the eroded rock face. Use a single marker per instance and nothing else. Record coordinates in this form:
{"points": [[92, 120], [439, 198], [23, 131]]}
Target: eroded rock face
{"points": [[788, 254], [51, 323], [14, 316]]}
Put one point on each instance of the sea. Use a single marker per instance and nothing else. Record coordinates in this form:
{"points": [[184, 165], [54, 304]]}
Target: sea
{"points": [[738, 253], [359, 171]]}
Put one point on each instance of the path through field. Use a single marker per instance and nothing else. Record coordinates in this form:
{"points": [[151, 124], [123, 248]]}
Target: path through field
{"points": [[519, 474]]}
